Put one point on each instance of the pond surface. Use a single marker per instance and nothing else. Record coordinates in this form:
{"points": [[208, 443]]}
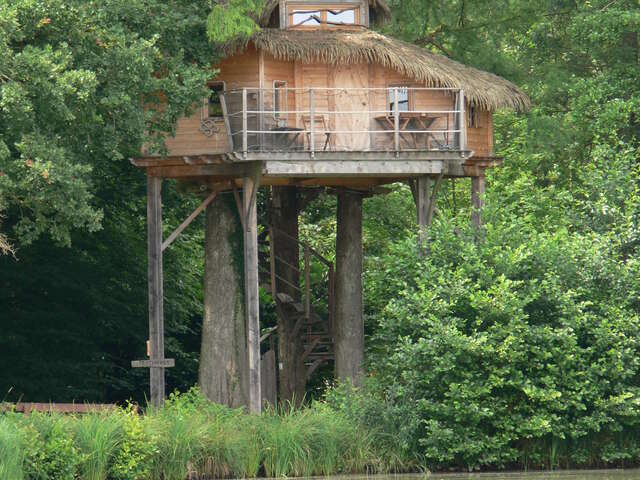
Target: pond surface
{"points": [[631, 474]]}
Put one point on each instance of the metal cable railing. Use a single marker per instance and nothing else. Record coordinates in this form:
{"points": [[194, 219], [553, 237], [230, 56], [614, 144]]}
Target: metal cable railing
{"points": [[311, 120]]}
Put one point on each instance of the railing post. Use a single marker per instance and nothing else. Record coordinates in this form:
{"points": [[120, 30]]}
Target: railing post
{"points": [[312, 136], [462, 123], [396, 120], [245, 139], [261, 118], [307, 279]]}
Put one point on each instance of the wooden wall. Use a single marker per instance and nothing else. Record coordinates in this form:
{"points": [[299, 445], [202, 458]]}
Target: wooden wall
{"points": [[480, 139], [238, 71], [251, 69]]}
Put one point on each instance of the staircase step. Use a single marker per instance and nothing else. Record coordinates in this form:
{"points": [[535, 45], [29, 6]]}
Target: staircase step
{"points": [[284, 298]]}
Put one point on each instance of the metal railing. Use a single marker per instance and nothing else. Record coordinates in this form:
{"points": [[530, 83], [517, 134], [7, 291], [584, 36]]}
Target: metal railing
{"points": [[345, 119]]}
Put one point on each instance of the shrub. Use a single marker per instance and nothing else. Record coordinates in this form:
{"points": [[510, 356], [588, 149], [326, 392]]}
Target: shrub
{"points": [[521, 350], [51, 453], [136, 451]]}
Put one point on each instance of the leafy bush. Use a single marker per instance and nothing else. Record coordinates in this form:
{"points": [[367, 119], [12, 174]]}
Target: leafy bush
{"points": [[520, 350], [51, 453], [133, 459]]}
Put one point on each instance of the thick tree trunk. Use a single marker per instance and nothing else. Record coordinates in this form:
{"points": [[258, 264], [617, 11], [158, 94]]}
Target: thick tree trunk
{"points": [[284, 217], [349, 323], [223, 358]]}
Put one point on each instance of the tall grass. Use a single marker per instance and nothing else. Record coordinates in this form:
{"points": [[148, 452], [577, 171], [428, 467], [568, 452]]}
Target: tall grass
{"points": [[189, 437], [98, 437], [11, 451], [179, 440]]}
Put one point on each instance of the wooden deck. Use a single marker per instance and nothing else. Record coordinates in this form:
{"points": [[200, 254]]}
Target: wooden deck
{"points": [[340, 169]]}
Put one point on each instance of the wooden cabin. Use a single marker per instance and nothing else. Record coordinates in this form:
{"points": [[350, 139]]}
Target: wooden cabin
{"points": [[323, 82], [318, 98]]}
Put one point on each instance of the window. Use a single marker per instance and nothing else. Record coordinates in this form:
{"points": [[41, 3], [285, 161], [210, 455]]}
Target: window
{"points": [[214, 107], [323, 16], [342, 17], [279, 98], [473, 117], [404, 104], [307, 18]]}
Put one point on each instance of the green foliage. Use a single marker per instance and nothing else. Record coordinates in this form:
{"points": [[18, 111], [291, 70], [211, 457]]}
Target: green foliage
{"points": [[133, 458], [98, 436], [233, 20], [51, 453], [189, 436], [12, 452], [75, 77], [492, 353]]}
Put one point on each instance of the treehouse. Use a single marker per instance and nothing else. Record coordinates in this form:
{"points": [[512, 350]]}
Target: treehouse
{"points": [[316, 99]]}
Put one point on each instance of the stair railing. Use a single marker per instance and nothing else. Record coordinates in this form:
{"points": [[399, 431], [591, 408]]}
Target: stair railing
{"points": [[308, 253]]}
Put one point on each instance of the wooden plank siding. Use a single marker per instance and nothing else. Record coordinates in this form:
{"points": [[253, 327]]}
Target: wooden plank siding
{"points": [[480, 139], [237, 72], [244, 70]]}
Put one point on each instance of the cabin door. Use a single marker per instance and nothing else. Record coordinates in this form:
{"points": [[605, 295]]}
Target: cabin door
{"points": [[355, 98]]}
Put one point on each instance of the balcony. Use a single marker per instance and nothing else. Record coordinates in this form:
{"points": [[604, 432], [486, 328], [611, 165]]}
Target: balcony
{"points": [[314, 120]]}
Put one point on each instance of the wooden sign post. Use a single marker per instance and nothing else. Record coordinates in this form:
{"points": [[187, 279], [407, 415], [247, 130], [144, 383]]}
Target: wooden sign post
{"points": [[157, 363]]}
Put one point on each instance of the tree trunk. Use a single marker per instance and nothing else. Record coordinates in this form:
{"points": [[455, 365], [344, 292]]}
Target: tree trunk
{"points": [[349, 323], [284, 217], [223, 358]]}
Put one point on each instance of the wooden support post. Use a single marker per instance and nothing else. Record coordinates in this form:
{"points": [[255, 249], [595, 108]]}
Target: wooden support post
{"points": [[245, 138], [478, 186], [425, 197], [156, 307], [252, 301], [349, 322], [307, 280], [434, 197], [272, 264], [423, 205], [396, 120], [332, 298]]}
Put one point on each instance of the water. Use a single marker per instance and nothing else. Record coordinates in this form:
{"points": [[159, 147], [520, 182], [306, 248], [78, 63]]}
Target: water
{"points": [[631, 474]]}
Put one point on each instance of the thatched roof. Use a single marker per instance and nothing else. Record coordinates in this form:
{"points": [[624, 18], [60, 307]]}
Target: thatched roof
{"points": [[482, 89], [379, 9]]}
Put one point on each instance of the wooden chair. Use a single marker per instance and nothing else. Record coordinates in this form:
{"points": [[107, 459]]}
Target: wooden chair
{"points": [[320, 124]]}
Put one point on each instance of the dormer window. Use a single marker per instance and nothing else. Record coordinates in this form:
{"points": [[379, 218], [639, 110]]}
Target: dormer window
{"points": [[346, 16], [323, 15], [306, 18]]}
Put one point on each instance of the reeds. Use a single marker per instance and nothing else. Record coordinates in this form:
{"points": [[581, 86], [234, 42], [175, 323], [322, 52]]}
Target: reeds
{"points": [[11, 451], [98, 437], [190, 437]]}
